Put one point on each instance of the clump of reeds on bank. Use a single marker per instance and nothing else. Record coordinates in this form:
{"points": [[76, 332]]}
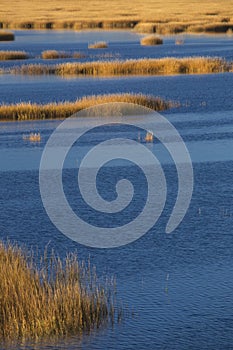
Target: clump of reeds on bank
{"points": [[6, 36], [145, 27], [161, 66], [13, 55], [33, 111], [52, 298], [98, 45], [54, 54], [151, 40]]}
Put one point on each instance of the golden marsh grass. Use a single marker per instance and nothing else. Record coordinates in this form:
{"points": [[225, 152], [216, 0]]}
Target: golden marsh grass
{"points": [[98, 45], [168, 16], [13, 55], [52, 298], [151, 40], [33, 111], [54, 54], [162, 66]]}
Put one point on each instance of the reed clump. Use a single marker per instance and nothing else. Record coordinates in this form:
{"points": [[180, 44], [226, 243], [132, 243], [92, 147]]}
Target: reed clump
{"points": [[145, 27], [50, 298], [210, 28], [13, 55], [33, 111], [54, 54], [151, 40], [6, 36], [162, 66], [98, 45]]}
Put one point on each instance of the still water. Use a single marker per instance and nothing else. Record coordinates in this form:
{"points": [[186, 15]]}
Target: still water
{"points": [[178, 287]]}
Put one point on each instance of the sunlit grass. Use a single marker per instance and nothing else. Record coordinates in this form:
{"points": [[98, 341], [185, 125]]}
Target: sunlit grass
{"points": [[98, 45], [162, 66], [151, 40], [54, 54], [30, 111], [50, 298], [169, 16], [13, 55]]}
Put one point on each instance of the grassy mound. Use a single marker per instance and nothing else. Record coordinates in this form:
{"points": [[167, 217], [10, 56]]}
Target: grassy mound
{"points": [[98, 45], [151, 40]]}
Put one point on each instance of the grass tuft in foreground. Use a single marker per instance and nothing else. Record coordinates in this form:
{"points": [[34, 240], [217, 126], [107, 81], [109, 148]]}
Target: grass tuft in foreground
{"points": [[13, 55], [161, 66], [98, 45], [31, 111], [151, 40], [6, 36], [53, 298]]}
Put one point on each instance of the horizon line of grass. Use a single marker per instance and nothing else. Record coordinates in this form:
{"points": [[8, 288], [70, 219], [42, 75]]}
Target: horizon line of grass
{"points": [[103, 14], [33, 111], [52, 297], [161, 66], [141, 26]]}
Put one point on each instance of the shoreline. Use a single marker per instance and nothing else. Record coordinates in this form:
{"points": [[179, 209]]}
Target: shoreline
{"points": [[134, 25]]}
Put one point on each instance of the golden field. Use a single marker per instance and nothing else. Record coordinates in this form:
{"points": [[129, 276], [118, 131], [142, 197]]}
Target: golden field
{"points": [[116, 14]]}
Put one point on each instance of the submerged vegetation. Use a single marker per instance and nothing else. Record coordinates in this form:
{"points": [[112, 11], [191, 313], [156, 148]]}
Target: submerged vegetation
{"points": [[162, 66], [52, 298], [29, 111], [6, 36], [151, 40], [13, 55]]}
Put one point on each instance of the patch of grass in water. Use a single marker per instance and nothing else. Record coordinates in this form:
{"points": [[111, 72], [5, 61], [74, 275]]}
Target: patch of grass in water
{"points": [[33, 111], [161, 66], [13, 55], [55, 298]]}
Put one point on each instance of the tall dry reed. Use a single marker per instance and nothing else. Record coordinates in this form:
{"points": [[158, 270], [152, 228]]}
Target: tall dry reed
{"points": [[31, 111], [52, 298], [161, 66]]}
